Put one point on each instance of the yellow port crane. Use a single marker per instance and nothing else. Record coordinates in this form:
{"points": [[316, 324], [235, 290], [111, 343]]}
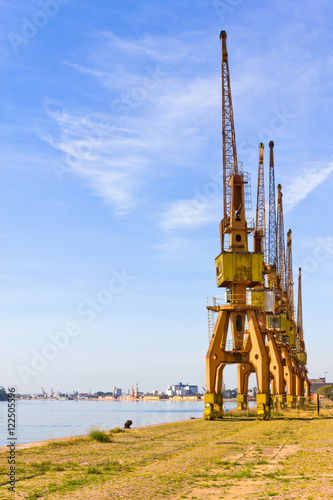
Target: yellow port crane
{"points": [[237, 270], [283, 324], [301, 350], [279, 324], [265, 297], [255, 326]]}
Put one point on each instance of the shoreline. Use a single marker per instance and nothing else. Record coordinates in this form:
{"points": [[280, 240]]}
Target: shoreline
{"points": [[42, 442], [178, 399], [34, 444]]}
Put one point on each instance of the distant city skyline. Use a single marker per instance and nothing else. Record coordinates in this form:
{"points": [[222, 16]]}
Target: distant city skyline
{"points": [[111, 185]]}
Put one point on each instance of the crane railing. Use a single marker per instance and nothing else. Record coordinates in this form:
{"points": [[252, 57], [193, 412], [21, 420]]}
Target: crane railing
{"points": [[264, 300]]}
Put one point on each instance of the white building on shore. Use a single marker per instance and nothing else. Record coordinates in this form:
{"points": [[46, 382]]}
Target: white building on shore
{"points": [[181, 390]]}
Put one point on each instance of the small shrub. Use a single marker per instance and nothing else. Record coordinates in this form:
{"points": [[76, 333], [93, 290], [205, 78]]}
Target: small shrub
{"points": [[42, 466], [67, 442], [93, 470], [225, 463], [59, 468], [34, 496], [116, 430], [100, 435], [111, 465]]}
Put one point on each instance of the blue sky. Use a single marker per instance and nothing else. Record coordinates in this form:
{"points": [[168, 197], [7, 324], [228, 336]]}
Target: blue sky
{"points": [[111, 179]]}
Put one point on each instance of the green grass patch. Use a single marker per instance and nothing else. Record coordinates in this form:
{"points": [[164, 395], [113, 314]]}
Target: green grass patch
{"points": [[93, 470], [59, 468], [42, 467], [117, 430], [67, 442], [100, 435], [109, 465], [34, 496]]}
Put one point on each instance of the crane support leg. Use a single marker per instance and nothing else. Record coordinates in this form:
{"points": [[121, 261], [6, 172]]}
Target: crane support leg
{"points": [[214, 368], [258, 356], [299, 389], [289, 377], [276, 370], [243, 372], [307, 389], [299, 382]]}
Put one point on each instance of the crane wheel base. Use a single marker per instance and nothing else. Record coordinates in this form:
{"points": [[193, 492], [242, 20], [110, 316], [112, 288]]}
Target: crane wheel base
{"points": [[263, 406], [291, 401], [280, 401], [242, 401], [213, 406]]}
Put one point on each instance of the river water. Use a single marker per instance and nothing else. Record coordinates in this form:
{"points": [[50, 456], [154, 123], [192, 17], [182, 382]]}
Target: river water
{"points": [[38, 420]]}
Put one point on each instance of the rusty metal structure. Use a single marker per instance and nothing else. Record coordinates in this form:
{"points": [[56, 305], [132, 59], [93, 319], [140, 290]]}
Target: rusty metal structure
{"points": [[260, 227], [289, 278], [303, 356], [253, 325], [230, 165], [280, 248], [272, 210]]}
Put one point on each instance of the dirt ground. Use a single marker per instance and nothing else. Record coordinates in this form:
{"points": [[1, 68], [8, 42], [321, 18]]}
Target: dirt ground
{"points": [[287, 457]]}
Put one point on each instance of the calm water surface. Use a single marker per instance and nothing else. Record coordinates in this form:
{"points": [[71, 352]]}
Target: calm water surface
{"points": [[39, 420]]}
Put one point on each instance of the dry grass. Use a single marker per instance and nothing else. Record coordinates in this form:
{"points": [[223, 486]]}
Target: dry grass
{"points": [[288, 457]]}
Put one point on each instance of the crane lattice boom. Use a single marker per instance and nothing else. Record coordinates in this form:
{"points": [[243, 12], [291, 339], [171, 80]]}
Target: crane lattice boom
{"points": [[260, 228], [280, 248], [289, 277], [230, 165], [272, 210], [299, 309]]}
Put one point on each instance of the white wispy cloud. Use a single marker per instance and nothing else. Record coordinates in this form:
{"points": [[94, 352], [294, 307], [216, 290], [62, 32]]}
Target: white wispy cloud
{"points": [[161, 48], [300, 187], [204, 209], [156, 120], [150, 122], [110, 161], [192, 213]]}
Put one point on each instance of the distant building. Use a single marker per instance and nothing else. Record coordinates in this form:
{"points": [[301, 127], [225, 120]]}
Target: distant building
{"points": [[317, 383], [84, 395], [117, 392], [181, 390]]}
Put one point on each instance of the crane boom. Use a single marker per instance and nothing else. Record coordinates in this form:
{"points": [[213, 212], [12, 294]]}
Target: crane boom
{"points": [[230, 165], [272, 210], [280, 248], [289, 277], [260, 228], [299, 309]]}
